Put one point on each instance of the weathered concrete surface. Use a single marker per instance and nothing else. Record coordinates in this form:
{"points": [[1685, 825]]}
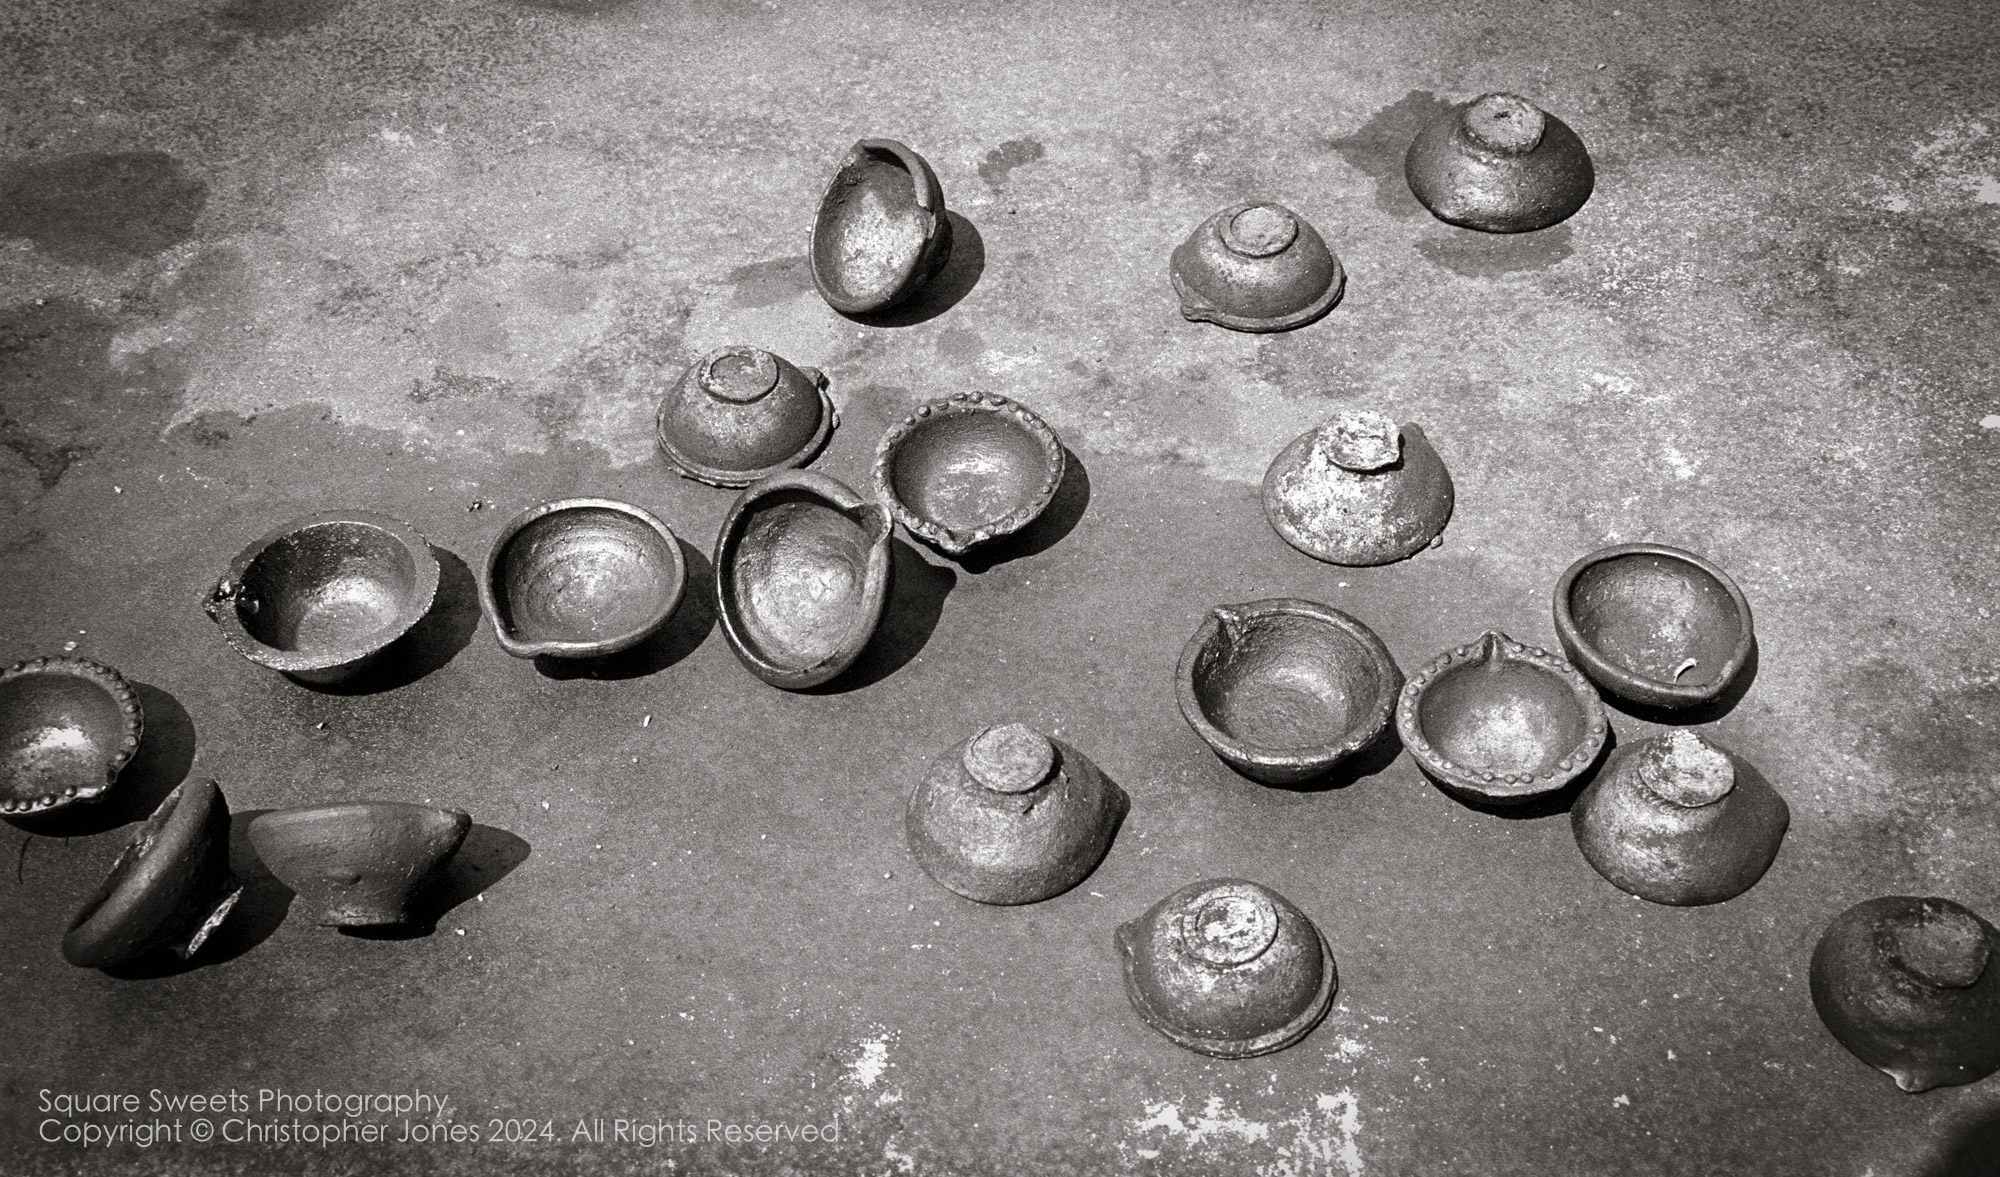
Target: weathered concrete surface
{"points": [[258, 258]]}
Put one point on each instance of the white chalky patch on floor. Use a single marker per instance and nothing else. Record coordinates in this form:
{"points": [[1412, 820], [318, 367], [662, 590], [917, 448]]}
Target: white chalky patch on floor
{"points": [[866, 1070], [1320, 1141], [1990, 421]]}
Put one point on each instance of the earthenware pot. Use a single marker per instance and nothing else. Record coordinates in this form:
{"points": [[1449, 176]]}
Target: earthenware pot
{"points": [[1284, 690], [321, 598], [169, 888], [1358, 490], [581, 578], [1499, 163], [881, 232], [361, 864], [1228, 968], [741, 413], [801, 577], [1677, 819], [1012, 816], [1501, 723], [68, 726], [1256, 266], [968, 469], [1654, 625], [1910, 987]]}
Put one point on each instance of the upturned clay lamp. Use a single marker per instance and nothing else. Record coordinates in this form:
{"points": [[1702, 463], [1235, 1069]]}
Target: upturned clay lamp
{"points": [[968, 469], [1910, 986], [801, 577], [581, 578], [1285, 690], [881, 232], [1499, 163], [743, 413], [169, 888], [1228, 968], [1654, 625], [361, 864], [1256, 267], [1679, 820], [1012, 816], [321, 598], [1501, 723], [1359, 490], [68, 727]]}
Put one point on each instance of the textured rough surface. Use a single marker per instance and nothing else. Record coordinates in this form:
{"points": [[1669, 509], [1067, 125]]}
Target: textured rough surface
{"points": [[261, 257]]}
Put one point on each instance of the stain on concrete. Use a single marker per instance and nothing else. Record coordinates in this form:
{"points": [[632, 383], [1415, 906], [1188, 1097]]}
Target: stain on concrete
{"points": [[64, 398], [1003, 159], [50, 458], [1378, 148], [1911, 731], [101, 208], [576, 7], [1696, 108], [275, 18], [767, 283], [961, 345], [1492, 255]]}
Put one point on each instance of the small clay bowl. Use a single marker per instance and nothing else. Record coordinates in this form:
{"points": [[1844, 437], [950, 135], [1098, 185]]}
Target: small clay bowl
{"points": [[1359, 490], [968, 469], [1501, 723], [169, 888], [68, 726], [1654, 625], [362, 863], [1910, 986], [741, 413], [1283, 690], [801, 577], [320, 598], [1501, 164], [581, 578], [1228, 968], [1012, 816], [1679, 820], [881, 232], [1256, 267]]}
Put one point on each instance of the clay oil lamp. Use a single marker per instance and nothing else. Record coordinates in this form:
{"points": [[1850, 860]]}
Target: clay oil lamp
{"points": [[362, 864], [1499, 723], [1012, 816], [1256, 267], [801, 577], [581, 578], [1910, 986], [1677, 819], [1284, 690], [319, 599], [1654, 625], [1499, 163], [881, 232], [741, 413], [1228, 968], [68, 726], [1358, 490], [968, 469], [169, 888]]}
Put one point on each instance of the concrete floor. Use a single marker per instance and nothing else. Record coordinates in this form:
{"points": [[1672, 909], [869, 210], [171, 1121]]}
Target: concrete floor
{"points": [[264, 257]]}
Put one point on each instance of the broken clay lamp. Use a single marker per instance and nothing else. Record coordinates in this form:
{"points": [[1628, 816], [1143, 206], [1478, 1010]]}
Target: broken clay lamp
{"points": [[1500, 164], [170, 887], [1359, 490], [581, 578], [1228, 968], [801, 577], [1012, 816], [742, 413], [362, 864], [1284, 690], [968, 469], [322, 598], [1909, 986], [1679, 820], [1256, 267], [882, 231], [1654, 625], [68, 727], [1500, 723]]}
